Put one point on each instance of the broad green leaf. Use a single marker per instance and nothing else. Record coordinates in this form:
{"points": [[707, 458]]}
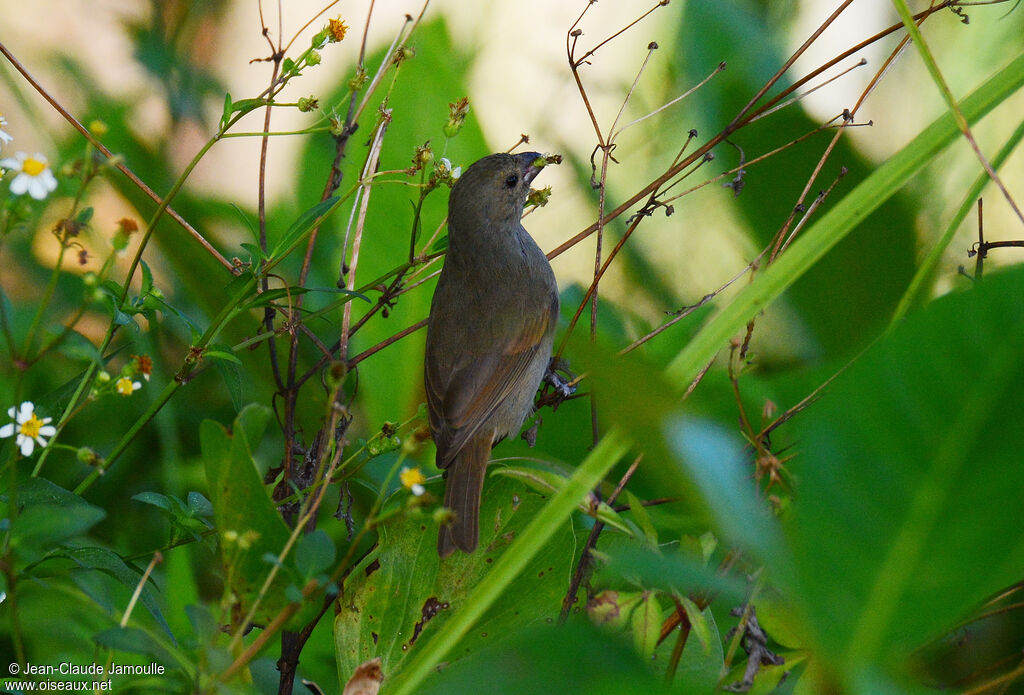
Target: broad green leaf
{"points": [[546, 658], [712, 459], [671, 571], [241, 504], [909, 511], [703, 658], [45, 526], [36, 491], [198, 505], [156, 499], [401, 593], [525, 548]]}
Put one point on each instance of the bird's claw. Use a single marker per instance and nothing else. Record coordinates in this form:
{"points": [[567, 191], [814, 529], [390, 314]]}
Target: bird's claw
{"points": [[557, 382]]}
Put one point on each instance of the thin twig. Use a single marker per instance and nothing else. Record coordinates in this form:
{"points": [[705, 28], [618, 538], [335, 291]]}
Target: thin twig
{"points": [[119, 165], [585, 560]]}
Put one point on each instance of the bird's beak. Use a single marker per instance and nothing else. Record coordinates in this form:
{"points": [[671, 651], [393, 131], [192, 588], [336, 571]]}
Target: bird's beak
{"points": [[528, 164]]}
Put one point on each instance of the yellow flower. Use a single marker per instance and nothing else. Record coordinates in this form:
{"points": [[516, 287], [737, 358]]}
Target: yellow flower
{"points": [[338, 29], [29, 427], [126, 387], [413, 480]]}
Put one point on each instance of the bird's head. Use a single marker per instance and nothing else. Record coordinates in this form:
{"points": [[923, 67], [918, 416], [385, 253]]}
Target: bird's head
{"points": [[490, 194]]}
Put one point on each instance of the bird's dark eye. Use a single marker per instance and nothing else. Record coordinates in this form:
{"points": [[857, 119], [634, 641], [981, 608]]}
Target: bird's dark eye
{"points": [[512, 180]]}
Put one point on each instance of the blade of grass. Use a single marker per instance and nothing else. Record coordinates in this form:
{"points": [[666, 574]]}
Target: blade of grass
{"points": [[940, 82], [839, 221], [930, 261]]}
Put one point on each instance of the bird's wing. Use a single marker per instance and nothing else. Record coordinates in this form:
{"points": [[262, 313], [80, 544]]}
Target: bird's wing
{"points": [[460, 401]]}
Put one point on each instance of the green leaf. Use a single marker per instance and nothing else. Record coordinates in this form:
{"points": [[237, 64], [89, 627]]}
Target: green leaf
{"points": [[642, 518], [245, 219], [156, 499], [232, 376], [44, 526], [241, 503], [77, 347], [49, 516], [222, 353], [247, 105], [35, 491], [703, 658], [525, 548], [204, 623], [646, 625], [194, 327], [225, 115], [713, 460], [546, 481], [909, 512], [111, 564], [300, 228], [698, 622], [84, 216], [314, 553], [187, 521], [546, 658], [147, 279], [672, 571], [138, 641], [199, 506], [401, 593], [255, 253]]}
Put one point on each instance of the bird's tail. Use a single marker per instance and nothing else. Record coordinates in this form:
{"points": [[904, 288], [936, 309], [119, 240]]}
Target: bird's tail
{"points": [[463, 486]]}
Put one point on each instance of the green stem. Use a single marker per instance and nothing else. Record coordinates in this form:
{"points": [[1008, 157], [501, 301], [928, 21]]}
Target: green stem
{"points": [[90, 371], [51, 287], [225, 315], [928, 265], [304, 131], [128, 436]]}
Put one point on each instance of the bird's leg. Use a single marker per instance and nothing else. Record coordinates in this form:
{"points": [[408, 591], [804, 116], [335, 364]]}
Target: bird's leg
{"points": [[557, 381]]}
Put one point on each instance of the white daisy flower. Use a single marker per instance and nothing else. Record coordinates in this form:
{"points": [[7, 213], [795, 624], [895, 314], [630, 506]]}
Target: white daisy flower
{"points": [[5, 137], [446, 166], [34, 176], [29, 428]]}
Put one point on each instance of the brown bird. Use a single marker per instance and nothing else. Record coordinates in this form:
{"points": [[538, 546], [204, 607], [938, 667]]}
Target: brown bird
{"points": [[489, 333]]}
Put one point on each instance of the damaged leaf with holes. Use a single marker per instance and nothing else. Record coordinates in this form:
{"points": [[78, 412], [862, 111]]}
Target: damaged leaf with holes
{"points": [[402, 591]]}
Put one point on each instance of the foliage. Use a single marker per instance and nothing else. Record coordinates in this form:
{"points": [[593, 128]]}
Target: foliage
{"points": [[273, 519]]}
